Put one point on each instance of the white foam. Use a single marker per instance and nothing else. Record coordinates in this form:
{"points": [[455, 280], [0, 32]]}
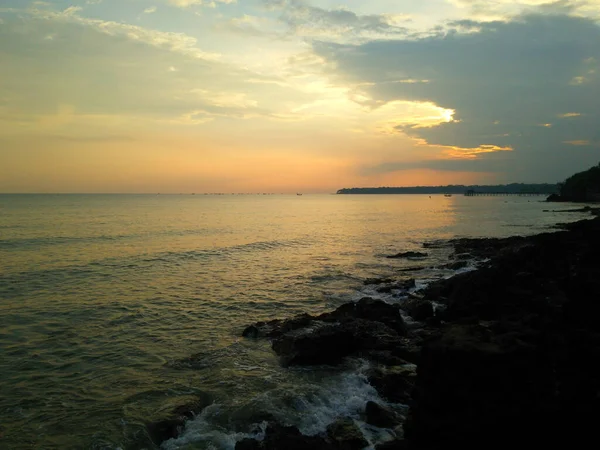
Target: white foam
{"points": [[309, 407]]}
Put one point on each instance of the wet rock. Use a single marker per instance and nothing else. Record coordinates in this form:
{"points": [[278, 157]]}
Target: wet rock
{"points": [[277, 327], [485, 383], [384, 289], [248, 444], [164, 430], [344, 434], [406, 284], [380, 416], [395, 383], [418, 309], [369, 281], [172, 426], [408, 255], [279, 437], [329, 343], [368, 308], [194, 407], [251, 331], [456, 265]]}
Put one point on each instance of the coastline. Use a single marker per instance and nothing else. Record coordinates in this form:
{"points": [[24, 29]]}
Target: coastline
{"points": [[493, 356]]}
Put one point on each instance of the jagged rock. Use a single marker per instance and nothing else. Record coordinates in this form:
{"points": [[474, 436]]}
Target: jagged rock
{"points": [[418, 308], [380, 416], [368, 308], [394, 383], [163, 430], [174, 423], [344, 434], [277, 327], [409, 255], [328, 343]]}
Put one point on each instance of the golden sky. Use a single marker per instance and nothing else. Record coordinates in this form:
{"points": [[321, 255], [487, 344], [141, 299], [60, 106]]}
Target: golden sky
{"points": [[294, 95]]}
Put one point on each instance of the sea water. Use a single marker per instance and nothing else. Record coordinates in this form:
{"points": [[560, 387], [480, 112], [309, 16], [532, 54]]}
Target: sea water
{"points": [[114, 309]]}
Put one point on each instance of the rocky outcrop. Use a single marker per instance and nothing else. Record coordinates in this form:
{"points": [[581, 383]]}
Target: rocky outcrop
{"points": [[508, 355], [352, 329], [173, 424], [514, 360]]}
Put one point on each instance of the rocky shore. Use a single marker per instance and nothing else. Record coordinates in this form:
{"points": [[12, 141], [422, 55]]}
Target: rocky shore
{"points": [[505, 355]]}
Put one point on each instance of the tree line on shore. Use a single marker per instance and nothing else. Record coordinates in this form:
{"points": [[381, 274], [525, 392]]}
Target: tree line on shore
{"points": [[581, 187], [513, 188]]}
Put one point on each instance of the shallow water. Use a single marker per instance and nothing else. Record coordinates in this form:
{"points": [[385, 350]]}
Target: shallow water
{"points": [[105, 298]]}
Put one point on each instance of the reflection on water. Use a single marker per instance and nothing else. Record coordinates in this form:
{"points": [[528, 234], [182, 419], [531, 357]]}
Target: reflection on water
{"points": [[103, 297]]}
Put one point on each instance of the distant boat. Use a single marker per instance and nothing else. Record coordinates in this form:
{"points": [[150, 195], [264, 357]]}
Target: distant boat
{"points": [[447, 195], [298, 193]]}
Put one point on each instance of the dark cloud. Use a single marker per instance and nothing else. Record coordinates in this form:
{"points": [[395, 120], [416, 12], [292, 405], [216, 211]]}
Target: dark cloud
{"points": [[510, 83], [303, 18]]}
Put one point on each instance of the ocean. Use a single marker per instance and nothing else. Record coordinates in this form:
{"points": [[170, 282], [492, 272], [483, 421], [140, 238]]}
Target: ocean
{"points": [[114, 309]]}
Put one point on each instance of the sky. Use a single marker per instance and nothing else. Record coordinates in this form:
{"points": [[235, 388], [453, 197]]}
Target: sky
{"points": [[295, 95]]}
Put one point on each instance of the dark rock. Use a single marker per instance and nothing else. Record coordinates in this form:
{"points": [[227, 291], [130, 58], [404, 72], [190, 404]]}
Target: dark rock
{"points": [[191, 409], [277, 327], [418, 308], [163, 430], [173, 425], [485, 383], [408, 255], [412, 269], [456, 265], [380, 416], [396, 444], [251, 331], [328, 343], [395, 384], [406, 285], [384, 289], [368, 308], [554, 198], [436, 244], [377, 281], [278, 437], [344, 434], [248, 444]]}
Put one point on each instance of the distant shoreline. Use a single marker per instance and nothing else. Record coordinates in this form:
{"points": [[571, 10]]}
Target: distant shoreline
{"points": [[513, 188]]}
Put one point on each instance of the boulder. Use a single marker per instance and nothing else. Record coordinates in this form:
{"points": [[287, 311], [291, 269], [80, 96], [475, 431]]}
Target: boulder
{"points": [[344, 434], [394, 383], [418, 308], [368, 308], [380, 416], [329, 343]]}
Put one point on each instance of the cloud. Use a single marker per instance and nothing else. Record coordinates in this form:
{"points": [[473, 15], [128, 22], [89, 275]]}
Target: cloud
{"points": [[100, 74], [188, 3], [502, 82], [176, 42], [150, 10], [303, 19]]}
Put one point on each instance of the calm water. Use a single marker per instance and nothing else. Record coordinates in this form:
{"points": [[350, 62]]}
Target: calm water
{"points": [[104, 298]]}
